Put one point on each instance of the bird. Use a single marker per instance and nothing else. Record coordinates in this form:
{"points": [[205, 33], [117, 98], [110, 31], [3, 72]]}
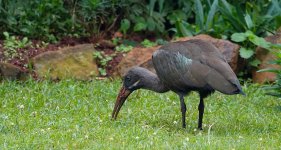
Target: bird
{"points": [[182, 67]]}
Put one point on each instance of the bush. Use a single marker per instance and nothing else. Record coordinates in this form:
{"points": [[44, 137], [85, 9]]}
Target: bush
{"points": [[35, 19], [51, 19]]}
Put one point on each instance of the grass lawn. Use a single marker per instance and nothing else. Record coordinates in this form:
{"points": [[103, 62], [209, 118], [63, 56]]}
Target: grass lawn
{"points": [[77, 115]]}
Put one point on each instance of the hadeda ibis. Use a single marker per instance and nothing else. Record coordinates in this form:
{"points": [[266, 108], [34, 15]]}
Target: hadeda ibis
{"points": [[182, 67]]}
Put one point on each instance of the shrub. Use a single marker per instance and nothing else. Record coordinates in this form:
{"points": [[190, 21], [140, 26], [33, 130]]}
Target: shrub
{"points": [[51, 19], [35, 19], [258, 16]]}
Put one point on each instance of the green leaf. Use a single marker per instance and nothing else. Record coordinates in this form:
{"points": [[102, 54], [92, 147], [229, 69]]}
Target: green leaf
{"points": [[229, 13], [161, 4], [176, 15], [238, 37], [102, 71], [246, 53], [124, 48], [260, 41], [150, 24], [199, 13], [125, 25], [25, 40], [211, 14], [275, 46], [147, 43], [249, 21], [226, 5], [6, 34], [182, 29], [249, 33], [151, 6], [278, 21], [139, 26], [255, 62]]}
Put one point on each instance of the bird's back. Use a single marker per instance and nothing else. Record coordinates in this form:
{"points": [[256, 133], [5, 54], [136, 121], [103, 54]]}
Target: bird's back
{"points": [[194, 65]]}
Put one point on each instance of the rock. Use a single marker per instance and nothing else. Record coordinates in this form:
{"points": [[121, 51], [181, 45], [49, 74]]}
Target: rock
{"points": [[12, 72], [142, 56], [136, 57], [265, 56], [70, 62]]}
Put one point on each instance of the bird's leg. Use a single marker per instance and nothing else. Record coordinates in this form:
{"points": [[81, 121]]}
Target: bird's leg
{"points": [[201, 112], [183, 110]]}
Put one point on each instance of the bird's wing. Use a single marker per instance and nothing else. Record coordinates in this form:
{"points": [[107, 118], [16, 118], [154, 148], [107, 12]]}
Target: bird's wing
{"points": [[177, 71], [194, 64]]}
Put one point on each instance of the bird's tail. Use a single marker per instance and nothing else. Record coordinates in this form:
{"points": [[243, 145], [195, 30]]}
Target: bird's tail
{"points": [[239, 88], [242, 93]]}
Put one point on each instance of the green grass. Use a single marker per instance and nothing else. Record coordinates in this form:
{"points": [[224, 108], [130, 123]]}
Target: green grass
{"points": [[77, 115]]}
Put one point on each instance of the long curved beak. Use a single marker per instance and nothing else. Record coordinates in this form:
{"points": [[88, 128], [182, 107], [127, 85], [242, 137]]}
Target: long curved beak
{"points": [[121, 98]]}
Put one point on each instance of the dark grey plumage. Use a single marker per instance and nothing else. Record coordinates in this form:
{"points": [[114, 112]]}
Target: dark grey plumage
{"points": [[181, 67]]}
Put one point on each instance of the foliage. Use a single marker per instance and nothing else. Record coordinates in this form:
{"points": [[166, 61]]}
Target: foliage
{"points": [[258, 16], [12, 44], [275, 89], [250, 40], [148, 17], [205, 23], [98, 15], [124, 48], [102, 60], [125, 25], [222, 18], [34, 19], [51, 19], [147, 43], [161, 41], [77, 115]]}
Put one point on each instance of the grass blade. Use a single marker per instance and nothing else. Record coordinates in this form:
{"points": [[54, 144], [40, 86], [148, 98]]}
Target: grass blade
{"points": [[273, 87], [269, 70], [274, 94]]}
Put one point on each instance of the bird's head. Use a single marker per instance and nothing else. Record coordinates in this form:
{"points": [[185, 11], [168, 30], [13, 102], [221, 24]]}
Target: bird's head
{"points": [[132, 80]]}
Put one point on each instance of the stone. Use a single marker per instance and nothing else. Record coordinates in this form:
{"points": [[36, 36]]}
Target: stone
{"points": [[142, 56], [12, 72], [138, 56], [265, 57], [74, 62]]}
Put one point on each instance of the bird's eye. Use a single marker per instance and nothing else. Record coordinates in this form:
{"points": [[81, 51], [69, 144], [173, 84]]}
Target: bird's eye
{"points": [[128, 78]]}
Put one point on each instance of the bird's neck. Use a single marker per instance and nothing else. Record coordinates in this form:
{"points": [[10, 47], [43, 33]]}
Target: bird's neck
{"points": [[153, 83]]}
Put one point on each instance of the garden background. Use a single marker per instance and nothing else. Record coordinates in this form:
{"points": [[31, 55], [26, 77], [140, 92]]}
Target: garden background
{"points": [[61, 63]]}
